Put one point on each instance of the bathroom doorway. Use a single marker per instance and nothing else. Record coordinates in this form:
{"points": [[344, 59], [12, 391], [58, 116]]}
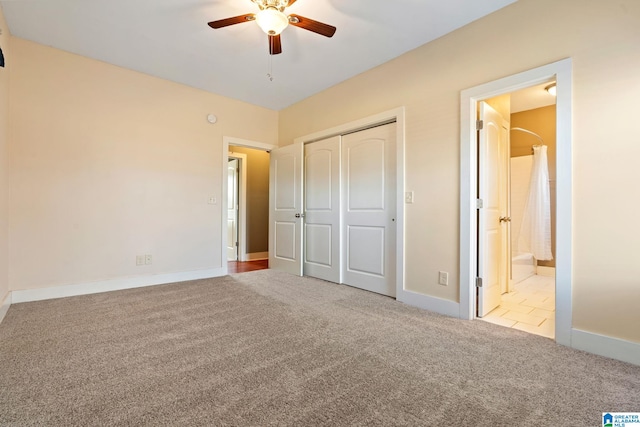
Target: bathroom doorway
{"points": [[471, 204], [516, 226]]}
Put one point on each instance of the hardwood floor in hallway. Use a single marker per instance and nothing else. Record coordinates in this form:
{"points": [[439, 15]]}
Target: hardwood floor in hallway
{"points": [[244, 266]]}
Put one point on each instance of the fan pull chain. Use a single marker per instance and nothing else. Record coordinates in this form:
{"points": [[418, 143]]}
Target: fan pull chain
{"points": [[270, 68]]}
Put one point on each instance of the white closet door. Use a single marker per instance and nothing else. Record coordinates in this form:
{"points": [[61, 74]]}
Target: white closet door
{"points": [[369, 209], [285, 209], [322, 209]]}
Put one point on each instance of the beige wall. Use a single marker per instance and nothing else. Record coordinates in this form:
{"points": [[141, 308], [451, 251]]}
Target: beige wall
{"points": [[257, 198], [525, 35], [4, 158], [543, 122], [108, 164]]}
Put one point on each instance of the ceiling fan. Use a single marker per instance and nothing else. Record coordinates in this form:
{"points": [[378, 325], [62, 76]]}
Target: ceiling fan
{"points": [[272, 19]]}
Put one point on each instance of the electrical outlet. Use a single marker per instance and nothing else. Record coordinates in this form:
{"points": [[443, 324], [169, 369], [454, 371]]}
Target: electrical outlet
{"points": [[443, 278], [212, 200], [139, 259], [147, 259], [408, 197]]}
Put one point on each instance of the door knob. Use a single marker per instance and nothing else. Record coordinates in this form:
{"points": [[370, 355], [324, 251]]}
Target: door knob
{"points": [[505, 219], [299, 215]]}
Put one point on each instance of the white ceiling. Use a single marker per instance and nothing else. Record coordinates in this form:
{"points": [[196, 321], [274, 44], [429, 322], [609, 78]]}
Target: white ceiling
{"points": [[170, 39]]}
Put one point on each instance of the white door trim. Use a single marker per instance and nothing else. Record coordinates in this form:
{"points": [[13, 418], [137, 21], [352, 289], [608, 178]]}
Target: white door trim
{"points": [[561, 71], [226, 141], [242, 201], [397, 115]]}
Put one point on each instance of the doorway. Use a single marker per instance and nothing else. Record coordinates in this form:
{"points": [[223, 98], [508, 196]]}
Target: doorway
{"points": [[516, 236], [470, 204], [245, 204]]}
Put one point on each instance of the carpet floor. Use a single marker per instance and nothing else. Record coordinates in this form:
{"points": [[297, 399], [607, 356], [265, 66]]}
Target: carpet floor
{"points": [[266, 348]]}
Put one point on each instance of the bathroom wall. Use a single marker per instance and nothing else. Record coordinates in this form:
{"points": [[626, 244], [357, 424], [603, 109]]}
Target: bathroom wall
{"points": [[543, 122]]}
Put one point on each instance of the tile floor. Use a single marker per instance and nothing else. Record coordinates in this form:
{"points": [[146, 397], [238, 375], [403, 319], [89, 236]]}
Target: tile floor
{"points": [[530, 307]]}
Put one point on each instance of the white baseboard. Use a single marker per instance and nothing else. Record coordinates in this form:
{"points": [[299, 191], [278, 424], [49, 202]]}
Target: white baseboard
{"points": [[4, 306], [614, 348], [426, 302], [28, 295], [256, 256]]}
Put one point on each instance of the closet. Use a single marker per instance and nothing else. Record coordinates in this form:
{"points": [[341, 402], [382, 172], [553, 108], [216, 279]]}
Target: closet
{"points": [[344, 226]]}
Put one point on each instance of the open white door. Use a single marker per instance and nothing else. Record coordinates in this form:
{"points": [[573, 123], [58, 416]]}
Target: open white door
{"points": [[322, 209], [285, 209], [492, 216], [232, 210]]}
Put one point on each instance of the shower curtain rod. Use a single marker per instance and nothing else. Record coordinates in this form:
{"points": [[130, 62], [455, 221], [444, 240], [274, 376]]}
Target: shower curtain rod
{"points": [[530, 133]]}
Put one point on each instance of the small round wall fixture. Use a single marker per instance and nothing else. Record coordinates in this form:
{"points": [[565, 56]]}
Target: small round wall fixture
{"points": [[211, 118]]}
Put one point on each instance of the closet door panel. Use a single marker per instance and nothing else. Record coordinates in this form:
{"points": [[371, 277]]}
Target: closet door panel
{"points": [[322, 210], [369, 198]]}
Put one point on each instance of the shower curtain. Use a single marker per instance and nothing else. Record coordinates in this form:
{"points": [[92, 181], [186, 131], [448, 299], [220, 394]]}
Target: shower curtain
{"points": [[535, 230]]}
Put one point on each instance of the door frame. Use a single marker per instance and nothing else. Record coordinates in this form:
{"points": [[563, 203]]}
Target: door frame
{"points": [[397, 115], [561, 71], [238, 142], [242, 202]]}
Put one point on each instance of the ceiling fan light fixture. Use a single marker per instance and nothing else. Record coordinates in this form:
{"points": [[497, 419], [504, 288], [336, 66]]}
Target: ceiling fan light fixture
{"points": [[272, 21]]}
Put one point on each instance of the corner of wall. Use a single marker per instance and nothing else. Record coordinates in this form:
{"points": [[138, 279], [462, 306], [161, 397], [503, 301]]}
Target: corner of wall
{"points": [[4, 306], [5, 41]]}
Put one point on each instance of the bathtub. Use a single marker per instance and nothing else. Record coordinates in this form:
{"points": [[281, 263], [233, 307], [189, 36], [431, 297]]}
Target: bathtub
{"points": [[523, 265]]}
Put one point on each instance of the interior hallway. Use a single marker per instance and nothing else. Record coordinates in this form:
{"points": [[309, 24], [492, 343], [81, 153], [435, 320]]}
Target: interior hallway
{"points": [[530, 307]]}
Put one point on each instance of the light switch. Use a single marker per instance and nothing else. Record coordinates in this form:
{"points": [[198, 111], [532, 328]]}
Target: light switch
{"points": [[408, 197]]}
